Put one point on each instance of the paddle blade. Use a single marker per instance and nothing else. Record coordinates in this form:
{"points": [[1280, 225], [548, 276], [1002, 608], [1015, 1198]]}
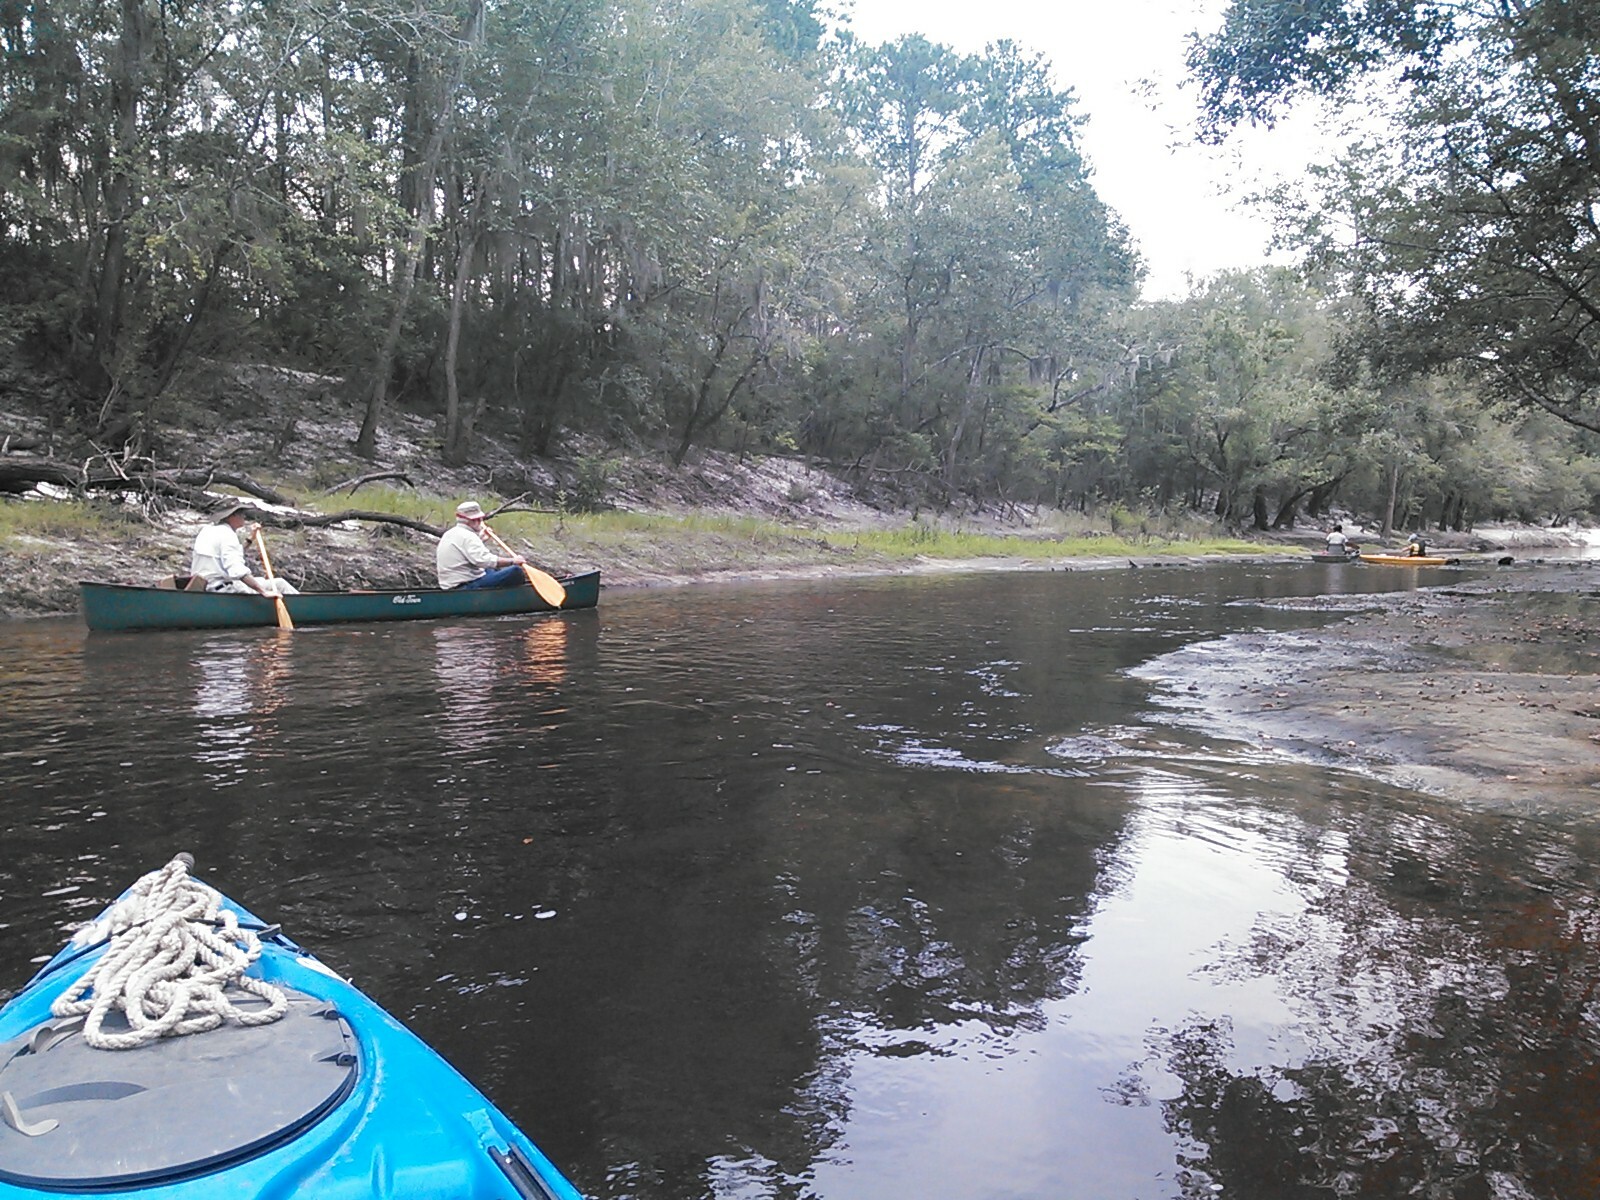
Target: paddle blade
{"points": [[550, 591], [285, 621], [548, 587]]}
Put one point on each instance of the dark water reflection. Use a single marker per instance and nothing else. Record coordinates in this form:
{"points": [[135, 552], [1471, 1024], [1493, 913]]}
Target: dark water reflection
{"points": [[879, 890]]}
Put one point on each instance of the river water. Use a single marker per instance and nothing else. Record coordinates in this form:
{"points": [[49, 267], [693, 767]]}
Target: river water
{"points": [[895, 889]]}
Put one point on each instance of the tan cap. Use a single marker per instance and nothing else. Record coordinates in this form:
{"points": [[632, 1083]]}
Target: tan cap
{"points": [[228, 510]]}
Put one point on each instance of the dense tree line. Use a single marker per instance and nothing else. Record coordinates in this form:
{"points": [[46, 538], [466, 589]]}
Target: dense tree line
{"points": [[722, 223]]}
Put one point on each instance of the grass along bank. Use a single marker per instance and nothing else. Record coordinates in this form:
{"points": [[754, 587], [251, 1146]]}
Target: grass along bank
{"points": [[633, 545], [641, 547]]}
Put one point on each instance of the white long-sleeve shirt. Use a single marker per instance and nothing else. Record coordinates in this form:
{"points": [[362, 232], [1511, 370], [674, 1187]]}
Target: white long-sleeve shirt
{"points": [[218, 558], [462, 556]]}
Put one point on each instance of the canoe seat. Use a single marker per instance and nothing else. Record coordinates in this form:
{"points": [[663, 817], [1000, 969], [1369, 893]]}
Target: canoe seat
{"points": [[182, 583]]}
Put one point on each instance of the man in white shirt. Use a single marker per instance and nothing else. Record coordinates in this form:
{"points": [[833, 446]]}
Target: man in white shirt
{"points": [[464, 561], [218, 558], [1337, 542]]}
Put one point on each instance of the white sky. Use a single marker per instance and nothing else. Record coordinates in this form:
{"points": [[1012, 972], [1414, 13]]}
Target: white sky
{"points": [[1181, 202]]}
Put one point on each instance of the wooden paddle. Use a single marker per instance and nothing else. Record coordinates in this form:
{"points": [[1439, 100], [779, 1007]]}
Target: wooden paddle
{"points": [[285, 621], [548, 587]]}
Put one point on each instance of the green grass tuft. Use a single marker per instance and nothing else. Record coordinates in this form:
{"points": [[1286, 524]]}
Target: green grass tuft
{"points": [[77, 520]]}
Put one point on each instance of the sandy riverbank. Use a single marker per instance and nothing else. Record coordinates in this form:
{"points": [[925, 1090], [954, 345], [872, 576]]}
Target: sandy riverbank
{"points": [[1486, 692]]}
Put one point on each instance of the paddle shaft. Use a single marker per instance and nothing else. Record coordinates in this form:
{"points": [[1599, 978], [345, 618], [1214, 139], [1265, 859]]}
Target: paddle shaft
{"points": [[285, 621], [548, 587]]}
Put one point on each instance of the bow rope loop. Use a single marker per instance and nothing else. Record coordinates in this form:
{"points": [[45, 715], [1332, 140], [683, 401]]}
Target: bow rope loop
{"points": [[174, 951]]}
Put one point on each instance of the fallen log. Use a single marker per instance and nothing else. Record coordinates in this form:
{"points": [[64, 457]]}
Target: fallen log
{"points": [[204, 477], [21, 474], [353, 484], [299, 520]]}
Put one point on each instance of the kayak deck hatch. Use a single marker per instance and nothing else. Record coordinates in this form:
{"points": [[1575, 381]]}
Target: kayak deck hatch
{"points": [[216, 1098]]}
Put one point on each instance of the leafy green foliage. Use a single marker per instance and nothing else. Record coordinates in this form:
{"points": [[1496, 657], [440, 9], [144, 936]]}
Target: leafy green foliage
{"points": [[705, 223], [1470, 224], [1268, 52]]}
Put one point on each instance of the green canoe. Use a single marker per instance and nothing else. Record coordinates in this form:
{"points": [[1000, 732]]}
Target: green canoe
{"points": [[128, 606]]}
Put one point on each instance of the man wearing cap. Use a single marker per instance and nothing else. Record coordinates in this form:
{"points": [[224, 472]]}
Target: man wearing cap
{"points": [[218, 557], [464, 561]]}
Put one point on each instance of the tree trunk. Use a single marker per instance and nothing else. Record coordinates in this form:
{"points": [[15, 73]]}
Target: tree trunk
{"points": [[1394, 494], [1321, 495], [455, 447], [1289, 510], [968, 403], [704, 413], [456, 431], [110, 300], [367, 440]]}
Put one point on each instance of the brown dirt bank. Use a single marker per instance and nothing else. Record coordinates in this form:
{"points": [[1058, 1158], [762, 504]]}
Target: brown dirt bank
{"points": [[1486, 692]]}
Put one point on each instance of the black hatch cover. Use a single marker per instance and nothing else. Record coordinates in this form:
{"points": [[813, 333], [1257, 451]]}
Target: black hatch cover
{"points": [[177, 1107]]}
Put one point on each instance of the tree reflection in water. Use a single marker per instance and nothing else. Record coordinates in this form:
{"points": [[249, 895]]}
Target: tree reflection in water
{"points": [[1455, 1036]]}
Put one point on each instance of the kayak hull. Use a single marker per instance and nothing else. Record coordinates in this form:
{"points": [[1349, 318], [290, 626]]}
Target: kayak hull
{"points": [[409, 1125], [121, 606]]}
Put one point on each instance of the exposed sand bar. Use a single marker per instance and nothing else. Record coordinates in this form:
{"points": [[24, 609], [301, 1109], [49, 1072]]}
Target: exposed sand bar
{"points": [[1486, 692]]}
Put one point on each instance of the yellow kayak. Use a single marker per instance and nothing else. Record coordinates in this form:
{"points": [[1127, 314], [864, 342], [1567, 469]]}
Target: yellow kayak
{"points": [[1406, 560]]}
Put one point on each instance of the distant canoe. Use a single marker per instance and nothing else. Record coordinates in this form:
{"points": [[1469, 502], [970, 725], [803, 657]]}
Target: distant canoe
{"points": [[128, 606], [1406, 560], [1324, 557]]}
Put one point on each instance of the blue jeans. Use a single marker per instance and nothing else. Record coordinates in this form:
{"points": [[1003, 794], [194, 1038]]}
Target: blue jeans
{"points": [[499, 577]]}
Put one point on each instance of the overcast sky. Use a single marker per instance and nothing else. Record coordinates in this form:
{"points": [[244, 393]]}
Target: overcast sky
{"points": [[1180, 201]]}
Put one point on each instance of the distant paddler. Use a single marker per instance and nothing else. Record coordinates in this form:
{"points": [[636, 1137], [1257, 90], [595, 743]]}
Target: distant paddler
{"points": [[464, 559], [218, 556]]}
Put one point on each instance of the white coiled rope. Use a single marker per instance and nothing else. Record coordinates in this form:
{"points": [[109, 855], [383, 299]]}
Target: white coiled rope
{"points": [[174, 951]]}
